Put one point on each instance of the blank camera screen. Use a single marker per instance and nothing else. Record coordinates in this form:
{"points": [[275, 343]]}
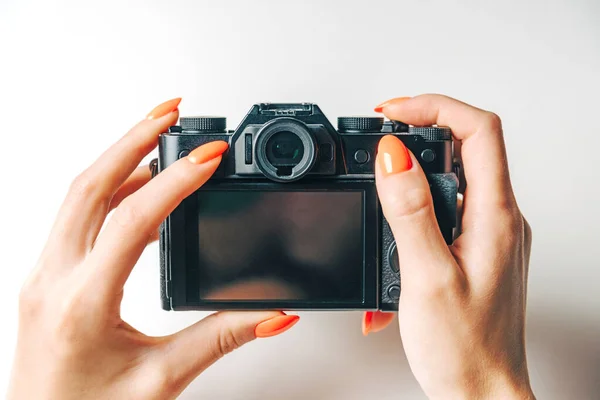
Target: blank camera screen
{"points": [[301, 246]]}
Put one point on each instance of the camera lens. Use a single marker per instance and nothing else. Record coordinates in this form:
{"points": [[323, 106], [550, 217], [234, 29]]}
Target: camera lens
{"points": [[285, 149]]}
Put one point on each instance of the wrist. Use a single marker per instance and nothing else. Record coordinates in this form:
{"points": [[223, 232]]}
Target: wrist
{"points": [[508, 390], [495, 385]]}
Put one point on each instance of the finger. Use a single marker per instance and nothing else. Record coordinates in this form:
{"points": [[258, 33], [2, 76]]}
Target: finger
{"points": [[186, 354], [138, 178], [408, 208], [87, 202], [153, 237], [483, 150], [126, 234], [375, 321]]}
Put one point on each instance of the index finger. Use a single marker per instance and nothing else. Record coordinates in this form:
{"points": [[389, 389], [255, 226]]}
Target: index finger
{"points": [[85, 207], [483, 150], [138, 217]]}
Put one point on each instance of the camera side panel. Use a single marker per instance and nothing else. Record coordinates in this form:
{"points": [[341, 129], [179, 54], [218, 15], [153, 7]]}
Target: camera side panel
{"points": [[390, 274], [171, 243]]}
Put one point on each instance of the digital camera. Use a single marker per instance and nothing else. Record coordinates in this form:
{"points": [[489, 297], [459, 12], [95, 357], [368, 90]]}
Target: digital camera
{"points": [[291, 220]]}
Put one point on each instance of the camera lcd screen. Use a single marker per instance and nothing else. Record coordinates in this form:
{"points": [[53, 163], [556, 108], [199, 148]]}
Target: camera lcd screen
{"points": [[297, 246]]}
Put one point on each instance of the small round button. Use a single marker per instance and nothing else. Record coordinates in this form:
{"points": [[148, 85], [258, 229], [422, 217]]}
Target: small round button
{"points": [[393, 258], [361, 156], [428, 155], [394, 292], [183, 153]]}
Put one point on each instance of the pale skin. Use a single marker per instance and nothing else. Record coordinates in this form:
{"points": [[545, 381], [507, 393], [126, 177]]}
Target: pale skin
{"points": [[462, 307]]}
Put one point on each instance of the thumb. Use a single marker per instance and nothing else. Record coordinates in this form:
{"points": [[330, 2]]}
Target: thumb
{"points": [[189, 352], [407, 205]]}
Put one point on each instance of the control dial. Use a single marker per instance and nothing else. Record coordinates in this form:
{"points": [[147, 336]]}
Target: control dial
{"points": [[204, 124], [359, 124], [431, 133]]}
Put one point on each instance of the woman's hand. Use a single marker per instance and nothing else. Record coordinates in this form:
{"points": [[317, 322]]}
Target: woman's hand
{"points": [[462, 307], [72, 342]]}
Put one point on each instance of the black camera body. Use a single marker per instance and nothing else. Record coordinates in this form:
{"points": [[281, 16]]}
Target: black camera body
{"points": [[291, 220]]}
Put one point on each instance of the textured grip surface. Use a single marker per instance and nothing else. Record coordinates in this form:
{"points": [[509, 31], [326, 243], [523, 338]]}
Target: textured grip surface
{"points": [[164, 299]]}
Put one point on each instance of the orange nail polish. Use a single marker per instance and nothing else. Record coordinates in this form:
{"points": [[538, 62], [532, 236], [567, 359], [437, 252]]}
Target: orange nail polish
{"points": [[275, 326], [393, 156], [207, 152], [367, 322], [163, 109], [381, 106]]}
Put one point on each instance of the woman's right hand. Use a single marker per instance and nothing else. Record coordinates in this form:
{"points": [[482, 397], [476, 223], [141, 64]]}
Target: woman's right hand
{"points": [[462, 307]]}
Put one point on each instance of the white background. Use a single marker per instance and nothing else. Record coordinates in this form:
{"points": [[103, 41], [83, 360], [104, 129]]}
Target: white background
{"points": [[74, 76]]}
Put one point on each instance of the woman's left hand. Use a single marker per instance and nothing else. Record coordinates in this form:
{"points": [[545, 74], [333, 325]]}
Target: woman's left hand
{"points": [[72, 342]]}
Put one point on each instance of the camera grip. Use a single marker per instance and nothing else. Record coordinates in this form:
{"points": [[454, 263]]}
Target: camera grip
{"points": [[164, 298]]}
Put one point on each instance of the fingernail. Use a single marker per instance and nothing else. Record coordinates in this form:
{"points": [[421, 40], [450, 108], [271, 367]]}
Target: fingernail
{"points": [[207, 152], [367, 322], [393, 156], [275, 326], [380, 107], [163, 109]]}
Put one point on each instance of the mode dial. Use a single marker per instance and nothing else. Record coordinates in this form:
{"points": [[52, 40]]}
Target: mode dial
{"points": [[204, 124], [359, 124]]}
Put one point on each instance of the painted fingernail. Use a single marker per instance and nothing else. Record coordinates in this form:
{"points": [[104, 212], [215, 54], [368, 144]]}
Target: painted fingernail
{"points": [[393, 156], [367, 322], [207, 152], [381, 106], [275, 326], [163, 109]]}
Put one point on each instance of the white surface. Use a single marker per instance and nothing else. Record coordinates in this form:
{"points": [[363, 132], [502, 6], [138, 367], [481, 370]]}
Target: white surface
{"points": [[74, 76]]}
